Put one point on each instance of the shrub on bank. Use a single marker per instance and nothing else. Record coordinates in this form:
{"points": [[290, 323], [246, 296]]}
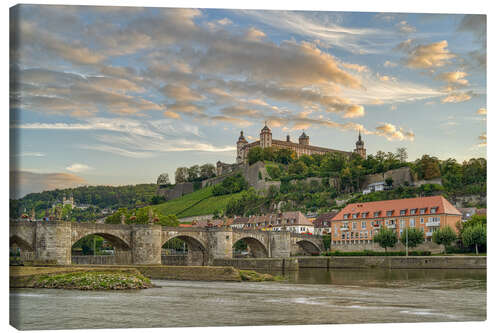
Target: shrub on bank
{"points": [[93, 281], [369, 253]]}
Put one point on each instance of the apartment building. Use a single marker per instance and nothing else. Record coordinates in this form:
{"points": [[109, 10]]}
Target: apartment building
{"points": [[358, 223]]}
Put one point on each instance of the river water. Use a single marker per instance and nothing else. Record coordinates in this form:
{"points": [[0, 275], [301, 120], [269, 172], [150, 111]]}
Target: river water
{"points": [[309, 296]]}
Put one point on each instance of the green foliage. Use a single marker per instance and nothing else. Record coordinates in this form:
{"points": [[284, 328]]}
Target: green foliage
{"points": [[142, 216], [98, 196], [255, 154], [415, 237], [427, 167], [474, 236], [327, 240], [273, 171], [444, 236], [233, 184], [385, 238], [248, 203]]}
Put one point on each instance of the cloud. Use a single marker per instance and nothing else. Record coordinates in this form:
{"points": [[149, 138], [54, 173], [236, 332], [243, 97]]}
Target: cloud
{"points": [[24, 182], [454, 78], [386, 78], [481, 111], [29, 154], [388, 63], [482, 138], [428, 56], [355, 67], [403, 26], [354, 111], [391, 132], [77, 167], [457, 97], [181, 93]]}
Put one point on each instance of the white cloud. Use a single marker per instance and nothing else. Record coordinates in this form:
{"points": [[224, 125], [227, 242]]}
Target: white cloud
{"points": [[77, 167], [481, 111]]}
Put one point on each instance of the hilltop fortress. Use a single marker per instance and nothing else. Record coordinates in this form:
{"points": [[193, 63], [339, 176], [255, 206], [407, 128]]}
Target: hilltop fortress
{"points": [[301, 148]]}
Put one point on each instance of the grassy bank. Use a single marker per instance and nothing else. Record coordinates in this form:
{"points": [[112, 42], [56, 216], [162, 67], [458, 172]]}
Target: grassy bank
{"points": [[77, 278], [253, 276]]}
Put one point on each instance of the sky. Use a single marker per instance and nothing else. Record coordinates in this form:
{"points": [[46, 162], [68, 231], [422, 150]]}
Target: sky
{"points": [[119, 95]]}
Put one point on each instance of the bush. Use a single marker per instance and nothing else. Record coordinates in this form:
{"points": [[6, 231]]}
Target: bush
{"points": [[233, 184]]}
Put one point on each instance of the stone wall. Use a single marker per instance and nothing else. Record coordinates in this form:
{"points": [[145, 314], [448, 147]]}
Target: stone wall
{"points": [[174, 260], [372, 246], [399, 177], [391, 262], [177, 191], [266, 264]]}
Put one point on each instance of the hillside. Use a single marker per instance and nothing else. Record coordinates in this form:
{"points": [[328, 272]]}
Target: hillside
{"points": [[201, 202]]}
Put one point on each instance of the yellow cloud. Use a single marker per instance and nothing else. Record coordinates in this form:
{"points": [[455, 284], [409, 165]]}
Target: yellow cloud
{"points": [[429, 56], [481, 111]]}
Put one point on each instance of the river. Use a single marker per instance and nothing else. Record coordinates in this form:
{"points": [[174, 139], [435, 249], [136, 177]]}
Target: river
{"points": [[309, 296]]}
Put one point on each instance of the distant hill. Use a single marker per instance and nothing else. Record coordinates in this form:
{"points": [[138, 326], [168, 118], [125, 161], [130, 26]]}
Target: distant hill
{"points": [[100, 196]]}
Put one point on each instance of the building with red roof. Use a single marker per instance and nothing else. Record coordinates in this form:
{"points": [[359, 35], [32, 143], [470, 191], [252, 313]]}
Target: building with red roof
{"points": [[358, 223]]}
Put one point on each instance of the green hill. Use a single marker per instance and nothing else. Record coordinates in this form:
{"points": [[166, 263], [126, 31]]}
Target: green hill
{"points": [[201, 202]]}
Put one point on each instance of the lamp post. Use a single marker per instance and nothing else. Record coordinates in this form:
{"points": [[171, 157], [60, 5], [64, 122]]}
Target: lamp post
{"points": [[406, 239]]}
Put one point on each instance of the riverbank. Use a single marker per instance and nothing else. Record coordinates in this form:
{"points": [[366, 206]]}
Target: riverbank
{"points": [[77, 278], [115, 277]]}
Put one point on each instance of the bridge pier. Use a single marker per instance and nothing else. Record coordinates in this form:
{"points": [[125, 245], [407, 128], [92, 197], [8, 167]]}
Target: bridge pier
{"points": [[146, 244], [220, 245], [53, 242]]}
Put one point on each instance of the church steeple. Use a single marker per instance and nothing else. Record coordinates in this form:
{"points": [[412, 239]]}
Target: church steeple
{"points": [[360, 146]]}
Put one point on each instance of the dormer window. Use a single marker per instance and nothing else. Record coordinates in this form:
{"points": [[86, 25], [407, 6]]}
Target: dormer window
{"points": [[346, 216], [389, 213], [434, 209], [376, 214], [364, 215], [422, 210], [402, 212], [413, 211], [355, 215]]}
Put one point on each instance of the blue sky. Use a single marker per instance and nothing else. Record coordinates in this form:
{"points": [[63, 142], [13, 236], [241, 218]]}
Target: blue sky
{"points": [[117, 95]]}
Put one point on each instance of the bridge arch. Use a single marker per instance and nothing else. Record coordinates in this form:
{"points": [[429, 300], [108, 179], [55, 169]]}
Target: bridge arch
{"points": [[257, 249], [308, 247], [122, 251], [197, 253], [23, 244]]}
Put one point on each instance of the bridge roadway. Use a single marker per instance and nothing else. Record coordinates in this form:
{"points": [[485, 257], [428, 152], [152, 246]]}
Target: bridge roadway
{"points": [[51, 241]]}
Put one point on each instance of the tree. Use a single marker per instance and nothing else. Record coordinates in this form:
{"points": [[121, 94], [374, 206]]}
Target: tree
{"points": [[297, 168], [207, 171], [427, 167], [193, 173], [474, 236], [402, 154], [444, 236], [385, 238], [254, 155], [163, 180], [415, 237], [181, 175], [389, 181]]}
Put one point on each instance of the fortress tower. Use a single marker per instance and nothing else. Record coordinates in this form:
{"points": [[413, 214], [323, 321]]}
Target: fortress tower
{"points": [[266, 137], [304, 139], [239, 148]]}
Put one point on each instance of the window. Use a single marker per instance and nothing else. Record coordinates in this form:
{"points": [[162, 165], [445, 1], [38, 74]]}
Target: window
{"points": [[401, 224], [389, 212], [363, 224], [412, 223], [346, 216], [422, 210], [355, 215], [376, 214], [357, 235], [422, 220], [364, 215], [354, 225], [413, 211], [434, 209], [402, 212], [343, 235]]}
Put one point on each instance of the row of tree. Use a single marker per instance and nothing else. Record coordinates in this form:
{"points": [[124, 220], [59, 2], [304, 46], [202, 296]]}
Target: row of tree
{"points": [[194, 173], [142, 215], [471, 235]]}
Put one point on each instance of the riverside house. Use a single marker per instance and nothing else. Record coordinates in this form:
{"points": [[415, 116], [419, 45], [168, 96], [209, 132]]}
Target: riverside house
{"points": [[358, 223]]}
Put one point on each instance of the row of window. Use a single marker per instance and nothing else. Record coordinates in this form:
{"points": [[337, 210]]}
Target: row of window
{"points": [[413, 211], [402, 223]]}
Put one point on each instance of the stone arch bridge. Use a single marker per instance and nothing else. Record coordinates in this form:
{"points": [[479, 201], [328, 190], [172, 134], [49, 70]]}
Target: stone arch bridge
{"points": [[141, 244]]}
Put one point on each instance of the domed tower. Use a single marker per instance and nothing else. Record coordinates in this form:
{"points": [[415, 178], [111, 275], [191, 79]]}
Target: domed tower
{"points": [[360, 147], [266, 137], [304, 139], [240, 148]]}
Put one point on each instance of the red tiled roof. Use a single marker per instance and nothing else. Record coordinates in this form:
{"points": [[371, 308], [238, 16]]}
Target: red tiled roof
{"points": [[325, 217], [443, 207], [185, 225]]}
